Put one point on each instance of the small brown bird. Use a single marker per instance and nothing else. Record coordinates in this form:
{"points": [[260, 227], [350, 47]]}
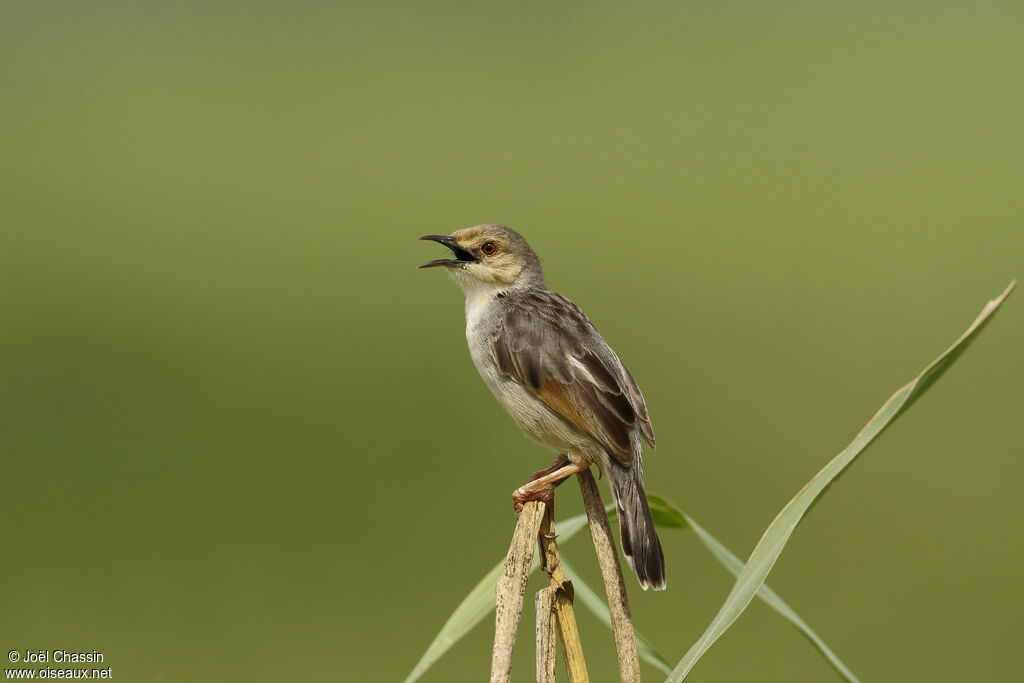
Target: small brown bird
{"points": [[553, 372]]}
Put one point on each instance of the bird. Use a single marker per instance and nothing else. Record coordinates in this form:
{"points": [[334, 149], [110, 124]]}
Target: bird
{"points": [[559, 380]]}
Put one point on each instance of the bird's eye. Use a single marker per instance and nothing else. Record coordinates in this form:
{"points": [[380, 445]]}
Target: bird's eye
{"points": [[488, 248]]}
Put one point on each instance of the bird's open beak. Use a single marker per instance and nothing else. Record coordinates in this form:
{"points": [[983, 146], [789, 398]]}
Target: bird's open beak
{"points": [[461, 255]]}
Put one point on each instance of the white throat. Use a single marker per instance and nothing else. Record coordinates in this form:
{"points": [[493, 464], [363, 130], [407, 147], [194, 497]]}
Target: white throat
{"points": [[479, 296]]}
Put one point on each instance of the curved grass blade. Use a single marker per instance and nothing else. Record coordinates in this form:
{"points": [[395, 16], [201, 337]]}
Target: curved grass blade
{"points": [[667, 514], [735, 565], [475, 607], [596, 604], [768, 549]]}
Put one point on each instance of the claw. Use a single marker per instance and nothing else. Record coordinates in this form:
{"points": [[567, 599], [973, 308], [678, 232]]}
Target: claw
{"points": [[524, 494]]}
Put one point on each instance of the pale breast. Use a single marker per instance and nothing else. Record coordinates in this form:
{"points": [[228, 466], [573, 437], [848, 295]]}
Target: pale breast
{"points": [[536, 420]]}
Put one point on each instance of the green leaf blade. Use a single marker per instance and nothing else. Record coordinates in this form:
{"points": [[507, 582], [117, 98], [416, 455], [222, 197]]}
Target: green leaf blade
{"points": [[735, 565], [770, 547]]}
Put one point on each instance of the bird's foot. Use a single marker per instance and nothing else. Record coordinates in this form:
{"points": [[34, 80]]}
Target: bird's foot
{"points": [[523, 495], [542, 487]]}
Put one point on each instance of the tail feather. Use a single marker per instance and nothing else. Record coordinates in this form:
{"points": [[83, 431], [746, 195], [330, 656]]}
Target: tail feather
{"points": [[640, 543]]}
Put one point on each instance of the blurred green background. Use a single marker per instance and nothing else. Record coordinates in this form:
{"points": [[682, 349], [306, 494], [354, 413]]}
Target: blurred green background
{"points": [[241, 435]]}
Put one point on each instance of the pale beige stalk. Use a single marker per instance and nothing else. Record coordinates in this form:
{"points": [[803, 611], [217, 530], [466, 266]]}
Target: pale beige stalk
{"points": [[511, 589], [614, 588]]}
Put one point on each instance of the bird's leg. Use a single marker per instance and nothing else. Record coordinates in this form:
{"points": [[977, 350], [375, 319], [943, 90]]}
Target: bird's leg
{"points": [[547, 493], [560, 462], [542, 488]]}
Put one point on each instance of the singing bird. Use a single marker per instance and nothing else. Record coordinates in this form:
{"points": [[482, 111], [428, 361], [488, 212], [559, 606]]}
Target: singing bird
{"points": [[554, 373]]}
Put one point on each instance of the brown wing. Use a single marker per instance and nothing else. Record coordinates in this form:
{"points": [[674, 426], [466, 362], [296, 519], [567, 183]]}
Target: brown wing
{"points": [[545, 343]]}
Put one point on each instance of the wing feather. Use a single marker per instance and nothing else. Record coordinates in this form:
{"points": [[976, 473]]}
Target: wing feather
{"points": [[544, 342]]}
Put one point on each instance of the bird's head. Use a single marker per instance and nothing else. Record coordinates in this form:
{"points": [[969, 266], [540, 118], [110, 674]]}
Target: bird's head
{"points": [[490, 256]]}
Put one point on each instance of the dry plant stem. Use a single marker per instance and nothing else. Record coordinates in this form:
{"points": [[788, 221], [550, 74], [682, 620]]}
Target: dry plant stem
{"points": [[611, 572], [544, 602], [572, 648], [512, 587]]}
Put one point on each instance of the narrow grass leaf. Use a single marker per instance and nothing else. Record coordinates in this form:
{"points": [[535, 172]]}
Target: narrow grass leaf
{"points": [[666, 514], [768, 549], [596, 604], [735, 565]]}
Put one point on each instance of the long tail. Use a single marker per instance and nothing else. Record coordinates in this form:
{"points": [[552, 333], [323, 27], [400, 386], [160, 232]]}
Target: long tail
{"points": [[640, 542]]}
